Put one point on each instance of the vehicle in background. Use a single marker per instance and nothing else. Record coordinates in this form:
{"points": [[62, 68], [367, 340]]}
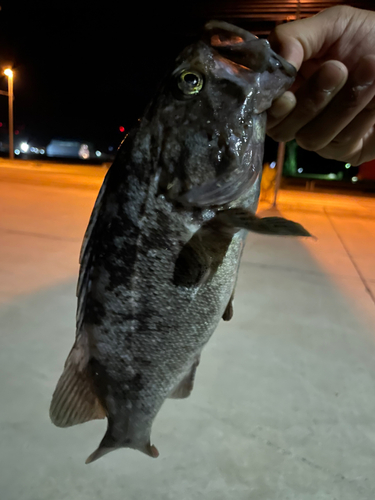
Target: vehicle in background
{"points": [[63, 148], [367, 171]]}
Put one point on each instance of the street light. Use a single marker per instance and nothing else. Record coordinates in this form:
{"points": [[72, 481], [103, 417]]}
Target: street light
{"points": [[9, 73]]}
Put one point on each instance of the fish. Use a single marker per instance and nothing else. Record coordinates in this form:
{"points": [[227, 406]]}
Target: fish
{"points": [[160, 257]]}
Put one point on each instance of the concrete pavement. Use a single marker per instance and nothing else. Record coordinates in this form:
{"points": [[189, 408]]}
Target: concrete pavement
{"points": [[284, 402]]}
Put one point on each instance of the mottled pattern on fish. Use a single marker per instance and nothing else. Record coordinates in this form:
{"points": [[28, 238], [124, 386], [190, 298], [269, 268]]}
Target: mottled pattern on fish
{"points": [[161, 254]]}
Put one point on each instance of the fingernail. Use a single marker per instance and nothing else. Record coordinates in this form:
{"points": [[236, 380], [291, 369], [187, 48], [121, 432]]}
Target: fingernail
{"points": [[364, 73], [331, 75]]}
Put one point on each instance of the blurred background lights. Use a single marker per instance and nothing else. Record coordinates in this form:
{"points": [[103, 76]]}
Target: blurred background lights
{"points": [[272, 164], [24, 147], [98, 153], [17, 152], [84, 152], [354, 179], [300, 170], [347, 165]]}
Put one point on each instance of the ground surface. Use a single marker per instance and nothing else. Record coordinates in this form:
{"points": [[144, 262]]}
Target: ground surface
{"points": [[284, 402]]}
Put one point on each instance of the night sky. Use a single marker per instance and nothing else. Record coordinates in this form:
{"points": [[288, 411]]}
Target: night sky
{"points": [[81, 71]]}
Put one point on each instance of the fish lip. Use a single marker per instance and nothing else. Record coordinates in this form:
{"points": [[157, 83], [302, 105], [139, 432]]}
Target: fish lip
{"points": [[242, 47], [288, 68]]}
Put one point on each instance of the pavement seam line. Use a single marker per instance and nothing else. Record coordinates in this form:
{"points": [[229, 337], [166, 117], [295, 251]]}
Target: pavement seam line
{"points": [[367, 288], [295, 270], [39, 235]]}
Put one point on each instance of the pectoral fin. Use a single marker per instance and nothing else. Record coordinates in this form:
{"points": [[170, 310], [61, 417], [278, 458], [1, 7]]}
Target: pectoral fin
{"points": [[192, 266], [74, 400], [245, 219]]}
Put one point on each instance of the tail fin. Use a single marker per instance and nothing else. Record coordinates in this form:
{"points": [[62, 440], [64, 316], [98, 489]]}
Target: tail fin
{"points": [[109, 444]]}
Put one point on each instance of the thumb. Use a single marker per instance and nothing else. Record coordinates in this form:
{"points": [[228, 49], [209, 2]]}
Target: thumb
{"points": [[312, 37]]}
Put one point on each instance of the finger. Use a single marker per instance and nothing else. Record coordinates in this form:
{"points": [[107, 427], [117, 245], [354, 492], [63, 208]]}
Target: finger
{"points": [[280, 109], [368, 148], [362, 151], [311, 98], [346, 105], [310, 38], [349, 145]]}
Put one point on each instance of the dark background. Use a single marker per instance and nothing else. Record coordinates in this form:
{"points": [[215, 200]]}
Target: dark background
{"points": [[83, 69]]}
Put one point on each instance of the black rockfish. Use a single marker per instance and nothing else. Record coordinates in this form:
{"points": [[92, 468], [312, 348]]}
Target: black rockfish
{"points": [[161, 253]]}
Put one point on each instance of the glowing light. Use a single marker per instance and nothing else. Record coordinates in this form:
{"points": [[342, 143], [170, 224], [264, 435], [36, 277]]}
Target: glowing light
{"points": [[272, 164], [24, 147], [98, 153], [42, 151], [84, 152], [17, 151], [354, 179], [300, 170], [121, 129], [347, 165], [8, 72], [331, 176]]}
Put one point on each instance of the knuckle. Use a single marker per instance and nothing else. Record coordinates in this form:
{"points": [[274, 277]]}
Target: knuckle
{"points": [[280, 135], [308, 142]]}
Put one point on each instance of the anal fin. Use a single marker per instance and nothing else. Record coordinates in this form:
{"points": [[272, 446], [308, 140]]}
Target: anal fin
{"points": [[228, 313], [184, 388], [74, 400]]}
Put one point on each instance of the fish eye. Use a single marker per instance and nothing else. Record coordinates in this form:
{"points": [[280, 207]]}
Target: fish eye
{"points": [[190, 82]]}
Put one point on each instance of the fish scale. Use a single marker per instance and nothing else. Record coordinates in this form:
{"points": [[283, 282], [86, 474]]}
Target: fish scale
{"points": [[160, 257]]}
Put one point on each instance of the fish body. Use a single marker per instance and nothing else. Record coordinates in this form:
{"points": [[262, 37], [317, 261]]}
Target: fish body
{"points": [[161, 253]]}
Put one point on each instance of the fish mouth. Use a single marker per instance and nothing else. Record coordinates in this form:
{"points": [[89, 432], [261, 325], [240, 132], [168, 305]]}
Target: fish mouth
{"points": [[244, 48]]}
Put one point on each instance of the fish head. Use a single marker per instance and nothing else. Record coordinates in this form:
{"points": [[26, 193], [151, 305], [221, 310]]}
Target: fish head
{"points": [[209, 117]]}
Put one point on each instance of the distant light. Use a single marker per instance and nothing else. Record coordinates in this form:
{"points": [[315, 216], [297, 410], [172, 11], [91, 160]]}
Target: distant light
{"points": [[32, 150], [17, 151], [300, 170], [8, 72], [16, 132], [354, 179], [24, 147], [331, 176], [98, 153], [41, 151], [347, 165], [272, 164], [84, 152], [110, 148], [121, 129], [1, 124]]}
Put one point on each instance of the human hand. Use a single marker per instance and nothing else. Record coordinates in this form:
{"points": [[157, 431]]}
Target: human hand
{"points": [[330, 108]]}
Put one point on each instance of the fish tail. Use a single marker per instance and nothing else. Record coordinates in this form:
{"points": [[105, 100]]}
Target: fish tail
{"points": [[109, 444]]}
